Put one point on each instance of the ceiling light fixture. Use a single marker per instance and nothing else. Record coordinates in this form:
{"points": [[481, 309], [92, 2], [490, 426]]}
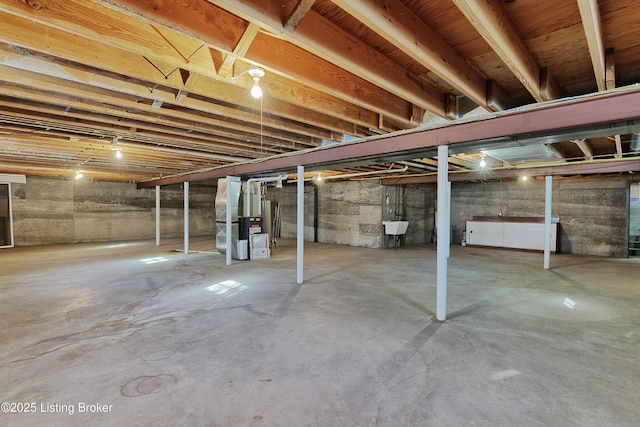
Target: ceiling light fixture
{"points": [[257, 73], [78, 175], [114, 142], [482, 161]]}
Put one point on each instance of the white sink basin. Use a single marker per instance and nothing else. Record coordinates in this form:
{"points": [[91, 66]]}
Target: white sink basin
{"points": [[395, 228]]}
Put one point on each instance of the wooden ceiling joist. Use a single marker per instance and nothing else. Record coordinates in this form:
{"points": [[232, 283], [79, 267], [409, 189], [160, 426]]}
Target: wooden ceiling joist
{"points": [[75, 74], [175, 119], [399, 25], [169, 62], [585, 147], [334, 45], [239, 51], [491, 22], [79, 18], [298, 13], [199, 18], [590, 15], [90, 128], [79, 89], [610, 83]]}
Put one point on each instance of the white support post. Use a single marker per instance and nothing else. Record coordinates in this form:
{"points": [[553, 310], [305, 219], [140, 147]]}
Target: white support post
{"points": [[12, 234], [449, 216], [157, 215], [228, 224], [186, 217], [300, 227], [442, 232], [547, 221]]}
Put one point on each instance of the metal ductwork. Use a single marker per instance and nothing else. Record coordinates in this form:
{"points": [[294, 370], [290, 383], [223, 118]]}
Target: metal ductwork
{"points": [[226, 201], [253, 187], [635, 142]]}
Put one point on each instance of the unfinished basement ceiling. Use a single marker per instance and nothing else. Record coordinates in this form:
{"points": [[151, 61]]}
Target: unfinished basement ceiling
{"points": [[81, 80]]}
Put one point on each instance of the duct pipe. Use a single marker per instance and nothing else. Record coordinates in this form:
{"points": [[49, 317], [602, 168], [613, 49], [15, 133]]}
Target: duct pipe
{"points": [[352, 175], [247, 193], [635, 142]]}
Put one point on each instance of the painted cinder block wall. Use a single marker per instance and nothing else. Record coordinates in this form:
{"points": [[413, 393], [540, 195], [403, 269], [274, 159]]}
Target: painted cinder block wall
{"points": [[47, 211]]}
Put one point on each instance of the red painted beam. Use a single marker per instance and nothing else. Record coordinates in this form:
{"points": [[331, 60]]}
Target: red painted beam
{"points": [[558, 116]]}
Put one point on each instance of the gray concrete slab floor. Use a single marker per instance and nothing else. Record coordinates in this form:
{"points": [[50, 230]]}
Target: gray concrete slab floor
{"points": [[138, 335]]}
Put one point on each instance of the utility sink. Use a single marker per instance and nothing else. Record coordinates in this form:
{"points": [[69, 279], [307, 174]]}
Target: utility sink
{"points": [[395, 228]]}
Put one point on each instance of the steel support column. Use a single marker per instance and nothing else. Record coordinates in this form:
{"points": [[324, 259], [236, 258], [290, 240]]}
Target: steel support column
{"points": [[157, 215], [547, 221], [300, 227], [443, 232], [228, 226], [186, 217]]}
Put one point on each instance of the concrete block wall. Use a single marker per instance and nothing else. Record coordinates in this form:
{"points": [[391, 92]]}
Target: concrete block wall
{"points": [[349, 212], [47, 211], [287, 198], [413, 203], [634, 208], [593, 216], [593, 211], [421, 213]]}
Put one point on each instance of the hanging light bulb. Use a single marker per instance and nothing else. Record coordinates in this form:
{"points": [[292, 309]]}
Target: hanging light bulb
{"points": [[118, 153], [483, 163], [256, 73], [78, 175], [256, 91]]}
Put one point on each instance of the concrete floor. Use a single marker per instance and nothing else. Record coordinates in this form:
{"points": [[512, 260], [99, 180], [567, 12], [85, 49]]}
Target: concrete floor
{"points": [[158, 338]]}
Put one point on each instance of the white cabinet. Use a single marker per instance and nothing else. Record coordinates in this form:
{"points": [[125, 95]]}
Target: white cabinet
{"points": [[510, 234], [485, 233]]}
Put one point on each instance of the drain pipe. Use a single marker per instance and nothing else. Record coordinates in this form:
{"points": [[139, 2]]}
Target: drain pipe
{"points": [[315, 213]]}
